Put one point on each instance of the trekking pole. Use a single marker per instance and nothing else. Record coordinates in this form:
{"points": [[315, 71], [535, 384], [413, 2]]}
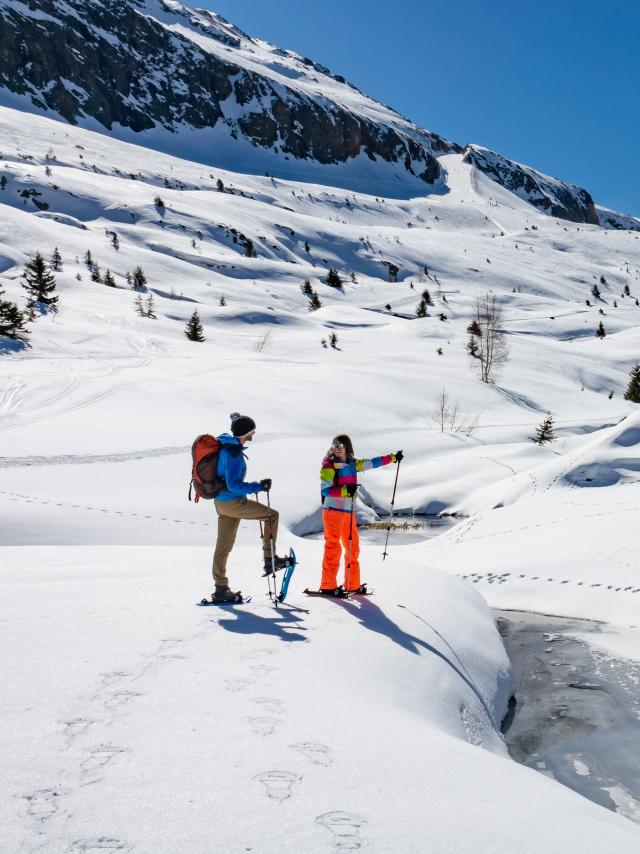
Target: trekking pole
{"points": [[273, 559], [393, 499], [353, 507]]}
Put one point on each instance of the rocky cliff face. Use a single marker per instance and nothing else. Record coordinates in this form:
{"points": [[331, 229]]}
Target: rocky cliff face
{"points": [[146, 64], [548, 194]]}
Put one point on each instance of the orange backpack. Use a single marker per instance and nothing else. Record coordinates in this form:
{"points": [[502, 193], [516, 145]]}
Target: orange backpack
{"points": [[204, 473]]}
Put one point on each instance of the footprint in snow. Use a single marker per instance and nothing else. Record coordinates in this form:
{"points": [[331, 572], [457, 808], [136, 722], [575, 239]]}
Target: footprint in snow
{"points": [[270, 704], [345, 828], [76, 727], [121, 699], [97, 759], [43, 803], [264, 726], [278, 784], [318, 754], [234, 685], [260, 670], [102, 844]]}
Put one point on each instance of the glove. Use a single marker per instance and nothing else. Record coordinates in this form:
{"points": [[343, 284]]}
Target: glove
{"points": [[266, 484], [399, 456], [351, 488]]}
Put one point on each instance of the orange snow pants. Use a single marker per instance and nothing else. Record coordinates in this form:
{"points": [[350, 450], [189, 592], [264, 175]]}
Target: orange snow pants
{"points": [[336, 537]]}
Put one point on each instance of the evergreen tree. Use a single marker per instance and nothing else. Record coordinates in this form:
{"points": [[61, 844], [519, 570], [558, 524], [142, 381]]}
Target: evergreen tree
{"points": [[474, 328], [109, 280], [323, 341], [333, 340], [249, 251], [159, 204], [426, 296], [314, 302], [627, 291], [544, 432], [12, 320], [595, 291], [139, 279], [129, 278], [115, 242], [56, 260], [220, 185], [306, 288], [633, 389], [421, 310], [600, 331], [88, 259], [603, 281], [222, 301], [149, 307], [194, 330], [139, 307], [333, 279], [3, 182], [472, 346], [307, 248], [96, 275], [40, 283]]}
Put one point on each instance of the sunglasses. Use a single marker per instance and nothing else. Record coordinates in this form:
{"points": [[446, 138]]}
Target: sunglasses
{"points": [[337, 445]]}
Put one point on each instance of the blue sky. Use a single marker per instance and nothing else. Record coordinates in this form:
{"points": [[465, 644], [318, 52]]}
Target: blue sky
{"points": [[554, 85]]}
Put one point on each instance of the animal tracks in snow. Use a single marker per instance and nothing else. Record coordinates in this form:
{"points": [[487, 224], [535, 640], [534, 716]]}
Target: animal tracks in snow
{"points": [[503, 577]]}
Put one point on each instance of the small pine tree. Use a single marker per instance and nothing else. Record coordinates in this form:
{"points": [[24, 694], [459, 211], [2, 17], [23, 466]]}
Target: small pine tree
{"points": [[544, 432], [139, 279], [426, 296], [220, 185], [139, 307], [249, 251], [12, 320], [603, 281], [96, 275], [314, 302], [627, 291], [306, 288], [421, 310], [115, 242], [109, 280], [333, 341], [3, 182], [472, 346], [439, 351], [333, 278], [600, 331], [40, 283], [129, 278], [633, 389], [88, 259], [323, 341], [222, 301], [159, 203], [149, 307], [194, 330], [56, 260], [307, 248], [474, 329], [595, 291], [353, 279]]}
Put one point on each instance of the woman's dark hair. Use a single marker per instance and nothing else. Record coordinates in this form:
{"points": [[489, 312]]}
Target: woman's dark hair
{"points": [[346, 441]]}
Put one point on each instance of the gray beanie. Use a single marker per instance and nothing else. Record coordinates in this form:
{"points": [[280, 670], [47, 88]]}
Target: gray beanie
{"points": [[241, 424]]}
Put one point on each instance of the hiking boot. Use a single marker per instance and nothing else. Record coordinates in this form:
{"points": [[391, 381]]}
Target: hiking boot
{"points": [[224, 594], [278, 562]]}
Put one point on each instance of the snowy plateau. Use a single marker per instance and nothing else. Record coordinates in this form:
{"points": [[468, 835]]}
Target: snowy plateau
{"points": [[133, 721]]}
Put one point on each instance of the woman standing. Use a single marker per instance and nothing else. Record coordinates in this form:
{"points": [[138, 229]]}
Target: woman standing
{"points": [[338, 486]]}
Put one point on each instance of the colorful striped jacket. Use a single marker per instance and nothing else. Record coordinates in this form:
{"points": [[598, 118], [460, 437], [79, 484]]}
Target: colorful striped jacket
{"points": [[335, 476]]}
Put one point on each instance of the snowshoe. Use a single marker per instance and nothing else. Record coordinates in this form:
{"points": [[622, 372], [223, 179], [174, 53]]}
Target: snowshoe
{"points": [[278, 562], [336, 592]]}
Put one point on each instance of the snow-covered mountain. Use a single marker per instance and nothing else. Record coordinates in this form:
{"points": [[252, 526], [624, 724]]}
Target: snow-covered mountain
{"points": [[187, 82]]}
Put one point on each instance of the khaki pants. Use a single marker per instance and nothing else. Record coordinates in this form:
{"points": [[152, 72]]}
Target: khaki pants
{"points": [[229, 515]]}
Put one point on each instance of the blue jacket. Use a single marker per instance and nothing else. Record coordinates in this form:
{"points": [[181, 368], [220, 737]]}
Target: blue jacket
{"points": [[232, 467]]}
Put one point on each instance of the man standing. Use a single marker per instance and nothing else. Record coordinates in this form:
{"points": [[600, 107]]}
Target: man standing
{"points": [[232, 505]]}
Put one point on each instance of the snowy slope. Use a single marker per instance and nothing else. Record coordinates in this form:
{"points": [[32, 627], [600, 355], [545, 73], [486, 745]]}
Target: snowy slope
{"points": [[155, 726]]}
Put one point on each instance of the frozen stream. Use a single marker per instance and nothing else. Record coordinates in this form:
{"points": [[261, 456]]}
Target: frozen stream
{"points": [[577, 712]]}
